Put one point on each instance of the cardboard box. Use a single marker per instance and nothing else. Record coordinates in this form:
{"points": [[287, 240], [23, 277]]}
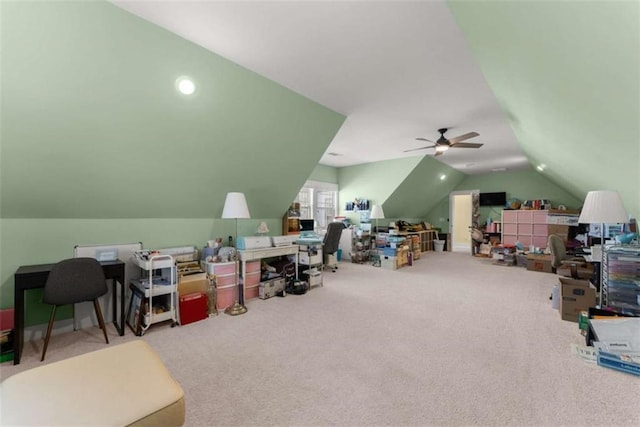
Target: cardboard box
{"points": [[539, 262], [559, 230], [575, 296], [193, 283]]}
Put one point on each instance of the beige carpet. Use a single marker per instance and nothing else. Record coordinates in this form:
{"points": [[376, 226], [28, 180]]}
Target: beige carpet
{"points": [[453, 340]]}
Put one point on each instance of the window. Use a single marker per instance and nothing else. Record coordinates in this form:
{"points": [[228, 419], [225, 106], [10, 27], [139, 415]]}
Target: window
{"points": [[318, 201]]}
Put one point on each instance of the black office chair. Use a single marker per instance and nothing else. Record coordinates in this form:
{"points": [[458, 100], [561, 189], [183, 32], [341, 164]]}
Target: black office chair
{"points": [[330, 244], [72, 281]]}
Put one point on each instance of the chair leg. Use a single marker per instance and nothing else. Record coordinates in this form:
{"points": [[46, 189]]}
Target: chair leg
{"points": [[96, 305], [49, 328]]}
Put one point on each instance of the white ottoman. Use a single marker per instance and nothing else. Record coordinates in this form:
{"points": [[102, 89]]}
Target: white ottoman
{"points": [[122, 385]]}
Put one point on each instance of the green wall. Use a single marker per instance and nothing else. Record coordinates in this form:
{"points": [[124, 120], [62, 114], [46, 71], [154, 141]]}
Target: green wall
{"points": [[324, 173], [528, 185], [97, 146], [372, 181], [566, 76]]}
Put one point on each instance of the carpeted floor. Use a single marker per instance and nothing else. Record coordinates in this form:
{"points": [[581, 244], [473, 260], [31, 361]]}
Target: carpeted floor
{"points": [[452, 340]]}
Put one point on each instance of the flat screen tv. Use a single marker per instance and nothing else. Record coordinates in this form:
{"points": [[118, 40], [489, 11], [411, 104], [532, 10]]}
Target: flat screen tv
{"points": [[493, 199]]}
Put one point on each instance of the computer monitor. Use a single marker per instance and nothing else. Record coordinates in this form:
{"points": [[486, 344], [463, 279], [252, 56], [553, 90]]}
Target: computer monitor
{"points": [[306, 225]]}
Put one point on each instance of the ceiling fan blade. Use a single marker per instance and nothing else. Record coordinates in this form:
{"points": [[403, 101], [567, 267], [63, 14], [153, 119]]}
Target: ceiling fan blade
{"points": [[463, 137], [421, 148], [424, 139], [466, 145]]}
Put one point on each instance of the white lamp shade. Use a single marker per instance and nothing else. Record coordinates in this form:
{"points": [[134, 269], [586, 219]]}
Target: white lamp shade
{"points": [[376, 212], [603, 207], [235, 206]]}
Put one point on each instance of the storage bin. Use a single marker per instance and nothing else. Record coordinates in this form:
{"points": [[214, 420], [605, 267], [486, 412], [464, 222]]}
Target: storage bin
{"points": [[389, 252], [389, 262], [193, 307], [438, 245]]}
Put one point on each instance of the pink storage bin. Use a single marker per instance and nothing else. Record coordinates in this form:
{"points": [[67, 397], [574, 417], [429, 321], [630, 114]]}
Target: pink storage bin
{"points": [[252, 279], [225, 297], [253, 266], [251, 292], [226, 280], [224, 268]]}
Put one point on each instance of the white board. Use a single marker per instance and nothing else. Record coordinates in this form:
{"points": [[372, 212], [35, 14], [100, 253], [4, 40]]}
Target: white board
{"points": [[85, 315]]}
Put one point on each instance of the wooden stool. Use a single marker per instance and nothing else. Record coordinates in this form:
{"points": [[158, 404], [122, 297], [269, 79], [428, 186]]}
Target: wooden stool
{"points": [[126, 384]]}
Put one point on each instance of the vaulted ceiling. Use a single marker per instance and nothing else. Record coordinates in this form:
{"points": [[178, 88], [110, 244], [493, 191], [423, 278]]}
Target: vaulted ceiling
{"points": [[548, 84]]}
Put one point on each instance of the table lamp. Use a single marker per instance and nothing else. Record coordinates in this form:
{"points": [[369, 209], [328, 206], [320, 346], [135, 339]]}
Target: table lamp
{"points": [[603, 207], [235, 207]]}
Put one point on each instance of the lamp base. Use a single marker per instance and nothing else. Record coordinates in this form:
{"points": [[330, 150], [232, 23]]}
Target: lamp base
{"points": [[235, 309]]}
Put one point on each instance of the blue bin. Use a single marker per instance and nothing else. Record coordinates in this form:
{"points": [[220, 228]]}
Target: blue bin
{"points": [[339, 254]]}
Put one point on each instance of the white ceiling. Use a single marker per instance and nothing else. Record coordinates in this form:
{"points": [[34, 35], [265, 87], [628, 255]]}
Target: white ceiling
{"points": [[398, 70]]}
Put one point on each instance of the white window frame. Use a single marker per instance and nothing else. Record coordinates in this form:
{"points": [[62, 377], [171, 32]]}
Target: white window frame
{"points": [[311, 209]]}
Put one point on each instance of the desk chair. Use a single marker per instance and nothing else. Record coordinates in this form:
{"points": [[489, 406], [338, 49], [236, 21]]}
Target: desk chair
{"points": [[564, 265], [72, 281], [330, 244]]}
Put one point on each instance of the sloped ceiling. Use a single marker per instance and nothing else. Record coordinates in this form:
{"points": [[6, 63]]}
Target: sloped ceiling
{"points": [[422, 189], [406, 188], [567, 76], [94, 128]]}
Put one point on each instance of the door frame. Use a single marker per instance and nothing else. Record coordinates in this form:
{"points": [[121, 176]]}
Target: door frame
{"points": [[471, 218]]}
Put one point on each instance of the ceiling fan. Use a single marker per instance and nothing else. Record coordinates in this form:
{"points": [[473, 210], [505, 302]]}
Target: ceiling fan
{"points": [[443, 144]]}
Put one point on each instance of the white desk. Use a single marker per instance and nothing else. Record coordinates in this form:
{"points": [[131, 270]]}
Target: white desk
{"points": [[256, 254]]}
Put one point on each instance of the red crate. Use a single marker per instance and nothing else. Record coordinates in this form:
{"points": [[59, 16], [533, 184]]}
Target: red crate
{"points": [[193, 307]]}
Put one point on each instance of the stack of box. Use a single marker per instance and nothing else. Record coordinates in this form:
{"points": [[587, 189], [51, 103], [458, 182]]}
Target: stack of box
{"points": [[575, 296]]}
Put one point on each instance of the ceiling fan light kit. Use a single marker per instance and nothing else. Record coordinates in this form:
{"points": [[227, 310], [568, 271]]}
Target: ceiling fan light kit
{"points": [[443, 144]]}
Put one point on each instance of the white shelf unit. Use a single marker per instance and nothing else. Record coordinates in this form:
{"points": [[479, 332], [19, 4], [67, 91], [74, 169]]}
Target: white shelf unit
{"points": [[150, 286], [310, 261]]}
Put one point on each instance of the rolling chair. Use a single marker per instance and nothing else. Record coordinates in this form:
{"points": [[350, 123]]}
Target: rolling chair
{"points": [[564, 265], [330, 245], [71, 281]]}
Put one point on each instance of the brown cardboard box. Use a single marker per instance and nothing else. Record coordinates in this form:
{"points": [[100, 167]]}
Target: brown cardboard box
{"points": [[575, 296], [560, 230], [539, 262], [192, 283]]}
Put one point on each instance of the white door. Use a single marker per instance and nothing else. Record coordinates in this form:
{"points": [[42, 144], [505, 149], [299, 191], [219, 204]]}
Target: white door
{"points": [[461, 212]]}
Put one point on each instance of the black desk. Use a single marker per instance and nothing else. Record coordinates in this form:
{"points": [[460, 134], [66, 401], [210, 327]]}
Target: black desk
{"points": [[35, 276]]}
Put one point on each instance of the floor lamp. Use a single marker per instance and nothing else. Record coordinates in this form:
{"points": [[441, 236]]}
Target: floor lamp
{"points": [[603, 207], [235, 207], [376, 213]]}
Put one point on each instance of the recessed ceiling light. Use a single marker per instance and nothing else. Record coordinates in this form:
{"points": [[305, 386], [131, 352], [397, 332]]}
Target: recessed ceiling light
{"points": [[541, 167], [185, 85], [443, 177]]}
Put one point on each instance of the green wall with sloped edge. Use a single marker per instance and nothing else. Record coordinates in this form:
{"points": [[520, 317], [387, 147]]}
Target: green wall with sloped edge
{"points": [[527, 185], [97, 146], [566, 76]]}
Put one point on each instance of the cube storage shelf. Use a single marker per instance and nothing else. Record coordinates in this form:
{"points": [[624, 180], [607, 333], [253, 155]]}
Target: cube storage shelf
{"points": [[533, 227]]}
